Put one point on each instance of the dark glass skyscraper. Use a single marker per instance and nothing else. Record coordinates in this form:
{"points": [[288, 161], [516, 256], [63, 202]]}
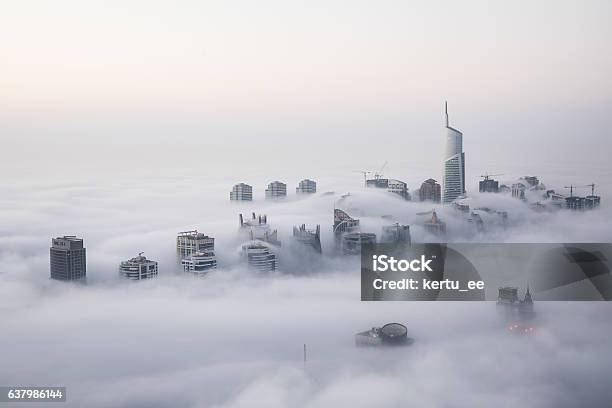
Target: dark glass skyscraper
{"points": [[67, 258]]}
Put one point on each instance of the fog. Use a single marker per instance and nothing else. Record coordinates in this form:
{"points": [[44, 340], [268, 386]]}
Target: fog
{"points": [[235, 338]]}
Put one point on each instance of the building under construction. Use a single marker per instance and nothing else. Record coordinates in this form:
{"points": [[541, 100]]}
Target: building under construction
{"points": [[391, 334], [488, 185], [391, 185], [430, 191], [257, 228], [311, 238], [188, 242], [576, 203]]}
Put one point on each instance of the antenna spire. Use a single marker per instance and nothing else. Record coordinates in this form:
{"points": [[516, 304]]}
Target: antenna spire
{"points": [[446, 112]]}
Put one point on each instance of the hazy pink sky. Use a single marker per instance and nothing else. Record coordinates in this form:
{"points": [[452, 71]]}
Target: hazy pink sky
{"points": [[220, 57], [527, 81]]}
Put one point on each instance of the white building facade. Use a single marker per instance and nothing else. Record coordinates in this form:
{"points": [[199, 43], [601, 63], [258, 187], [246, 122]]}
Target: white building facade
{"points": [[259, 257], [138, 268], [188, 242], [200, 263]]}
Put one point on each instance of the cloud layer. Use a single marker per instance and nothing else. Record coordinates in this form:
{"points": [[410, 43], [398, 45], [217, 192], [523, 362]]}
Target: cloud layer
{"points": [[235, 339]]}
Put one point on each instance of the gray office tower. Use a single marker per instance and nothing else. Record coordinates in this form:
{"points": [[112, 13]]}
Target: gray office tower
{"points": [[430, 191], [488, 185], [241, 192], [276, 189], [67, 258], [306, 186], [189, 242], [454, 163]]}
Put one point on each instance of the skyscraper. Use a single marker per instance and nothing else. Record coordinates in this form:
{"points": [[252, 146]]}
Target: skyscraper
{"points": [[430, 191], [188, 242], [199, 263], [306, 186], [454, 163], [138, 268], [67, 258], [276, 189], [259, 257], [241, 192]]}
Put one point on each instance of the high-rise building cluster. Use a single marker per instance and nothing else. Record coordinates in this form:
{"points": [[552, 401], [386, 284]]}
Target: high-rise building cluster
{"points": [[196, 251], [274, 190]]}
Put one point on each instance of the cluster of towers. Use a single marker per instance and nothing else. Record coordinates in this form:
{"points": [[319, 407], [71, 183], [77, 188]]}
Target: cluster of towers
{"points": [[275, 190]]}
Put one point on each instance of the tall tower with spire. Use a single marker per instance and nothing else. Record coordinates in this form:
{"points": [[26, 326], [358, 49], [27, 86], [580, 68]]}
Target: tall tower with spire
{"points": [[454, 162]]}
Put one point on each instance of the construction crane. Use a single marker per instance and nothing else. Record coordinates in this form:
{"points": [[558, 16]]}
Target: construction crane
{"points": [[571, 188], [487, 175], [378, 174], [365, 176], [592, 188]]}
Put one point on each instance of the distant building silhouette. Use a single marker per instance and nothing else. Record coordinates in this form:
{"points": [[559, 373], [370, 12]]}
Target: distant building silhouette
{"points": [[188, 242], [435, 226], [138, 268], [352, 242], [454, 163], [343, 223], [276, 189], [518, 190], [395, 234], [67, 258], [488, 185], [307, 237], [241, 192], [430, 191], [258, 229], [391, 185], [259, 257], [199, 263], [306, 186]]}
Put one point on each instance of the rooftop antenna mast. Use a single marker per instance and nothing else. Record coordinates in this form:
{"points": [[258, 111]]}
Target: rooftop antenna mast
{"points": [[446, 112]]}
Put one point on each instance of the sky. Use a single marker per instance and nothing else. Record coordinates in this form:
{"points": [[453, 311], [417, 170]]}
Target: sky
{"points": [[527, 82]]}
